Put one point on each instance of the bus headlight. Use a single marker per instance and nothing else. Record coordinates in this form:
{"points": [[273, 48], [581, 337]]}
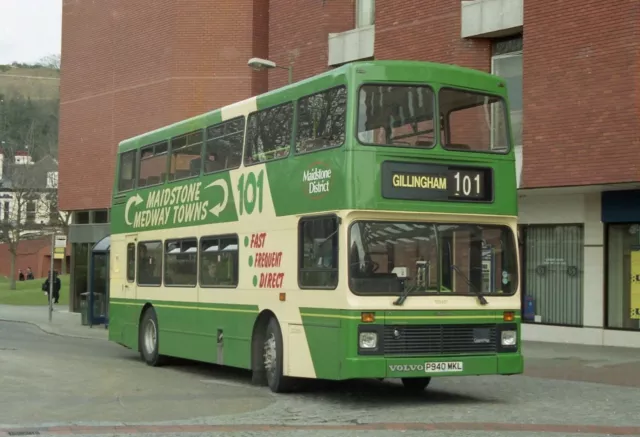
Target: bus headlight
{"points": [[368, 340], [508, 338]]}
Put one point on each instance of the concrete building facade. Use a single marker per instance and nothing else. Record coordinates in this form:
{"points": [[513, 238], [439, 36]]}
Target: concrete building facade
{"points": [[572, 74]]}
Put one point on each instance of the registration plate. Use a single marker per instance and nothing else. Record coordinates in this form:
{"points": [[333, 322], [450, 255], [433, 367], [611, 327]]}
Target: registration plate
{"points": [[443, 366]]}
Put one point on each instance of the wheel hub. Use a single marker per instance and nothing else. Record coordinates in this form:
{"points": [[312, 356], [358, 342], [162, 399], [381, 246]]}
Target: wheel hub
{"points": [[270, 357], [150, 337]]}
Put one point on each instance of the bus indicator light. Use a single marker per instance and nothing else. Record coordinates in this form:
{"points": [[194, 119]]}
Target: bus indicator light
{"points": [[368, 317]]}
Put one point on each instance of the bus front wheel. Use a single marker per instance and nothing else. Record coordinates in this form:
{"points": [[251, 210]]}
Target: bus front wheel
{"points": [[415, 385], [148, 339], [273, 361]]}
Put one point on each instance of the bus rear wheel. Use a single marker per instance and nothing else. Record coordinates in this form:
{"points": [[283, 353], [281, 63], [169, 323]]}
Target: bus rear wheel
{"points": [[273, 361], [148, 339], [415, 385]]}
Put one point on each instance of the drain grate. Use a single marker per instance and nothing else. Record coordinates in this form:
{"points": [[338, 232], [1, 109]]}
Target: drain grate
{"points": [[24, 433]]}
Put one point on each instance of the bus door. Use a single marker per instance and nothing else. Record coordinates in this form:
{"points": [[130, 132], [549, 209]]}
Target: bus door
{"points": [[129, 284]]}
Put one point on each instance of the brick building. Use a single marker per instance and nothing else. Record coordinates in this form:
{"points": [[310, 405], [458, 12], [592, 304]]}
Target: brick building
{"points": [[132, 66]]}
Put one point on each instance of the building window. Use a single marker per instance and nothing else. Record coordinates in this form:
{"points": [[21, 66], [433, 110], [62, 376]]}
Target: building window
{"points": [[150, 263], [219, 261], [81, 218], [127, 171], [269, 134], [6, 211], [623, 271], [181, 262], [101, 216], [131, 262], [365, 13], [506, 62], [186, 155], [554, 266], [318, 252], [321, 120], [32, 207], [224, 145], [153, 164]]}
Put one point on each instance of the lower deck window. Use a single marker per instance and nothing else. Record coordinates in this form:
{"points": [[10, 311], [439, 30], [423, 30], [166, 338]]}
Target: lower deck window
{"points": [[150, 263], [219, 261], [181, 262]]}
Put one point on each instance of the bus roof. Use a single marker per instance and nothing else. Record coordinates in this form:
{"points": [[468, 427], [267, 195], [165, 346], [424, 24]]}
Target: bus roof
{"points": [[434, 72]]}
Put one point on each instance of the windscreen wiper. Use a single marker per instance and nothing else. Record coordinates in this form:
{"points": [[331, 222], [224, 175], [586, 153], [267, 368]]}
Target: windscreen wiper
{"points": [[403, 296], [478, 293]]}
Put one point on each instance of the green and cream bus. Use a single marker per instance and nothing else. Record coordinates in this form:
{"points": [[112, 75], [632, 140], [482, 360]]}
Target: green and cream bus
{"points": [[357, 224]]}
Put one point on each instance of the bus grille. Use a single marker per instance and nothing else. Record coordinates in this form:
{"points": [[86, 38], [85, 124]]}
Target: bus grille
{"points": [[439, 339]]}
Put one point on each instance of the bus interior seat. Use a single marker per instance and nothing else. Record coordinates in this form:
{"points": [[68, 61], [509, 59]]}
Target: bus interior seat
{"points": [[458, 146], [181, 174]]}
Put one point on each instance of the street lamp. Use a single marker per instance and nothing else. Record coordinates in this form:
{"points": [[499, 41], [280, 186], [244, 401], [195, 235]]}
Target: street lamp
{"points": [[259, 64]]}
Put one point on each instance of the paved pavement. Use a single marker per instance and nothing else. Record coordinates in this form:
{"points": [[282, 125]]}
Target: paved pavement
{"points": [[58, 385], [62, 322]]}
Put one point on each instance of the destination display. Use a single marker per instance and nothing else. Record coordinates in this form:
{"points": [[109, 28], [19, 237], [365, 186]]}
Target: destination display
{"points": [[412, 181]]}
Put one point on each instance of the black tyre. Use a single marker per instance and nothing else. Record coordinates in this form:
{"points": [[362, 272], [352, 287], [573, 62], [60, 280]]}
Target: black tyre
{"points": [[272, 354], [148, 339], [415, 385]]}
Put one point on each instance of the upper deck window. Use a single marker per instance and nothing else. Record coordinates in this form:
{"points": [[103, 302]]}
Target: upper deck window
{"points": [[127, 170], [224, 145], [186, 151], [398, 115], [321, 120], [269, 134], [473, 121], [153, 164]]}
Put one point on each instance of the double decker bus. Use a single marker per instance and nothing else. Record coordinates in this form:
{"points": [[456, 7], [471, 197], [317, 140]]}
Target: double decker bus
{"points": [[360, 223]]}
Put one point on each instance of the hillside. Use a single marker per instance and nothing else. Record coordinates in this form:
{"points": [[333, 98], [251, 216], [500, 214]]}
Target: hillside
{"points": [[30, 82], [29, 106]]}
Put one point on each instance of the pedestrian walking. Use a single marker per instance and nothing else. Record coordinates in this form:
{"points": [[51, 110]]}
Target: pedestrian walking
{"points": [[57, 285]]}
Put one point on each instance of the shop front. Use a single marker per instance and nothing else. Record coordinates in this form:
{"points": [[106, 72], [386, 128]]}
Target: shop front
{"points": [[621, 216]]}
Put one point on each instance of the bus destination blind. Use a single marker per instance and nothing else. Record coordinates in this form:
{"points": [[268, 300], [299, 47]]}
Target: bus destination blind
{"points": [[411, 181]]}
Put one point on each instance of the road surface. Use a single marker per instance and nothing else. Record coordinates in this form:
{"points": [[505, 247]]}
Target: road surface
{"points": [[70, 386]]}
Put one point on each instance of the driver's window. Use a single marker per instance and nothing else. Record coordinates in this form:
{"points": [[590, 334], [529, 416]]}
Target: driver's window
{"points": [[318, 252]]}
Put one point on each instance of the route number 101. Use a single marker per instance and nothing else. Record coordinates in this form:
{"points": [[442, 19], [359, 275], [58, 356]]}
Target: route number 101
{"points": [[468, 184], [250, 192]]}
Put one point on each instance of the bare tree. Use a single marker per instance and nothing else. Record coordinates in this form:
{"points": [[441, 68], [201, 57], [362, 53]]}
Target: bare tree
{"points": [[49, 207], [51, 61], [20, 185]]}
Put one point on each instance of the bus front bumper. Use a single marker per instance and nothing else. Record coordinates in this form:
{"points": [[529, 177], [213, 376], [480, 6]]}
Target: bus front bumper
{"points": [[381, 367]]}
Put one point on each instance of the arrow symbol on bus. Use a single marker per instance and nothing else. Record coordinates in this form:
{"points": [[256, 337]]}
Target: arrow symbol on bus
{"points": [[133, 199], [218, 208]]}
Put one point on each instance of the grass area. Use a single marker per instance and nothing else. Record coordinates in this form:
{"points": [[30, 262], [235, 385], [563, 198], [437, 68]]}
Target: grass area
{"points": [[30, 292], [35, 83]]}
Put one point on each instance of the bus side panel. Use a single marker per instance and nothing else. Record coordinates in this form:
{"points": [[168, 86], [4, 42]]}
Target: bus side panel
{"points": [[325, 334], [224, 334], [124, 315], [177, 328]]}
